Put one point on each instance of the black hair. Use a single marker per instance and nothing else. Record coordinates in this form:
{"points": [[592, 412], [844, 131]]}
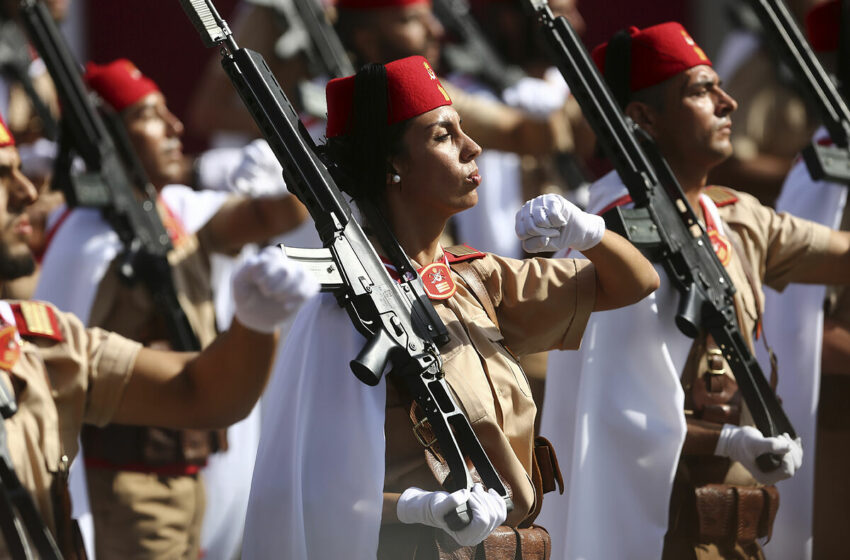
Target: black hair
{"points": [[360, 158]]}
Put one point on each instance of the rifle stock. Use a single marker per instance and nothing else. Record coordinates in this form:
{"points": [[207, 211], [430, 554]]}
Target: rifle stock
{"points": [[666, 229], [401, 326]]}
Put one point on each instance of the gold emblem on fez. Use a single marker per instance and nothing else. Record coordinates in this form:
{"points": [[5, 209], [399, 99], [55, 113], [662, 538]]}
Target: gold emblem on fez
{"points": [[429, 70]]}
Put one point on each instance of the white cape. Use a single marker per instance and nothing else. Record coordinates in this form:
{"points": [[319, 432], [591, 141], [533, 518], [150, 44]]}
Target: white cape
{"points": [[614, 413], [794, 327], [317, 489]]}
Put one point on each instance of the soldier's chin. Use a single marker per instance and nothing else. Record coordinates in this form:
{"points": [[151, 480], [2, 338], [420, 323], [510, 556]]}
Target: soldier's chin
{"points": [[14, 266]]}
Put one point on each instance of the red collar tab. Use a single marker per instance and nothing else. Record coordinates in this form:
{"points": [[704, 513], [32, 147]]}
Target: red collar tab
{"points": [[34, 318], [721, 245], [461, 253], [173, 224], [721, 196]]}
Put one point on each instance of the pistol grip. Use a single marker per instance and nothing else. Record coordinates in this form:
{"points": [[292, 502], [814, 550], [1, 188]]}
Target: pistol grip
{"points": [[459, 517]]}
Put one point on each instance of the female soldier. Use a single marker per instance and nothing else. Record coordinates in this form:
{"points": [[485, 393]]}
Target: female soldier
{"points": [[325, 485]]}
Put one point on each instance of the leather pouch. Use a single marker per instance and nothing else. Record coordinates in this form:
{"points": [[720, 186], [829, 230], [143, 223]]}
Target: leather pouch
{"points": [[505, 543], [729, 514]]}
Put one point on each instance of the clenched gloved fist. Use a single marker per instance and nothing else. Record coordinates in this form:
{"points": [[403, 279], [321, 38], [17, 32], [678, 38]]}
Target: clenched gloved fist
{"points": [[259, 173], [551, 222], [269, 287], [487, 508], [745, 443]]}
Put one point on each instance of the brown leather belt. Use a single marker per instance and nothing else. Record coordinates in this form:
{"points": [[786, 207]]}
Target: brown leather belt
{"points": [[418, 542]]}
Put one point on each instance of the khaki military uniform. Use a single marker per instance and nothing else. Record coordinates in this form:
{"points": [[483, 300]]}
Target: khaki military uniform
{"points": [[66, 375], [777, 248], [146, 494], [541, 304]]}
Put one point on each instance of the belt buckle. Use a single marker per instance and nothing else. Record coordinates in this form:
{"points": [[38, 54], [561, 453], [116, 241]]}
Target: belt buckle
{"points": [[417, 431], [712, 353]]}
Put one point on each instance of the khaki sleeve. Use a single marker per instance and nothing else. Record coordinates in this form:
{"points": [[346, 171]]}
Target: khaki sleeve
{"points": [[542, 304], [791, 243], [111, 360], [88, 370]]}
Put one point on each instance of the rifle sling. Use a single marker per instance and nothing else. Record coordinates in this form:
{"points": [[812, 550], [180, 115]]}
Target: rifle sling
{"points": [[745, 262], [475, 283]]}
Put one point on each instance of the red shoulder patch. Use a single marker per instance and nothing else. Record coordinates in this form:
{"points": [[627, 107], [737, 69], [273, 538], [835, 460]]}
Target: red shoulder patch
{"points": [[34, 318], [721, 196], [462, 253]]}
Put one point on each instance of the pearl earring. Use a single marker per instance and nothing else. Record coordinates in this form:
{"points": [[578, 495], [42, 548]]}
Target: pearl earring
{"points": [[396, 178]]}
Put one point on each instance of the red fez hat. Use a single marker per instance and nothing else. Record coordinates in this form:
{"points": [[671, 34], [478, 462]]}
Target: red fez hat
{"points": [[376, 4], [822, 26], [412, 89], [657, 53], [119, 83], [6, 138]]}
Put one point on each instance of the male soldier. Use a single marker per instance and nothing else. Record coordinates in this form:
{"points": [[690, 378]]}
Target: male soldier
{"points": [[147, 497], [63, 375], [630, 432], [810, 327]]}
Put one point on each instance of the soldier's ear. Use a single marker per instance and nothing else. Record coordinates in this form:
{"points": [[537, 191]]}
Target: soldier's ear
{"points": [[643, 115]]}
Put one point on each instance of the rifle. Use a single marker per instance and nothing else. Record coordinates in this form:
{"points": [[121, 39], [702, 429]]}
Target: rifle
{"points": [[19, 517], [15, 61], [824, 162], [474, 55], [401, 326], [112, 170], [326, 44], [664, 226], [308, 29]]}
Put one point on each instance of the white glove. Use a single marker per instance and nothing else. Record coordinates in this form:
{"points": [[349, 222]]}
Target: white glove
{"points": [[269, 287], [551, 222], [487, 509], [745, 443], [259, 173]]}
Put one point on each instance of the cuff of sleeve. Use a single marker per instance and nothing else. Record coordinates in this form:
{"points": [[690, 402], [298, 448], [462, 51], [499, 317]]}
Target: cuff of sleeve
{"points": [[111, 372], [585, 282]]}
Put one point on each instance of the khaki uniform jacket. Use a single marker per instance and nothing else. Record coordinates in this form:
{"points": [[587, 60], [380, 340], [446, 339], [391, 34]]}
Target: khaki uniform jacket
{"points": [[59, 385], [130, 311], [541, 304], [777, 248]]}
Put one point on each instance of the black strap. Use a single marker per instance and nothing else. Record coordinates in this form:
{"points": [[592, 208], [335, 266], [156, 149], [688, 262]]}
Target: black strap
{"points": [[618, 66]]}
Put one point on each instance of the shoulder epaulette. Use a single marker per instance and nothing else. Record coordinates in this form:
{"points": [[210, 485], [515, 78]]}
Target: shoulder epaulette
{"points": [[35, 318], [721, 196], [462, 253]]}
